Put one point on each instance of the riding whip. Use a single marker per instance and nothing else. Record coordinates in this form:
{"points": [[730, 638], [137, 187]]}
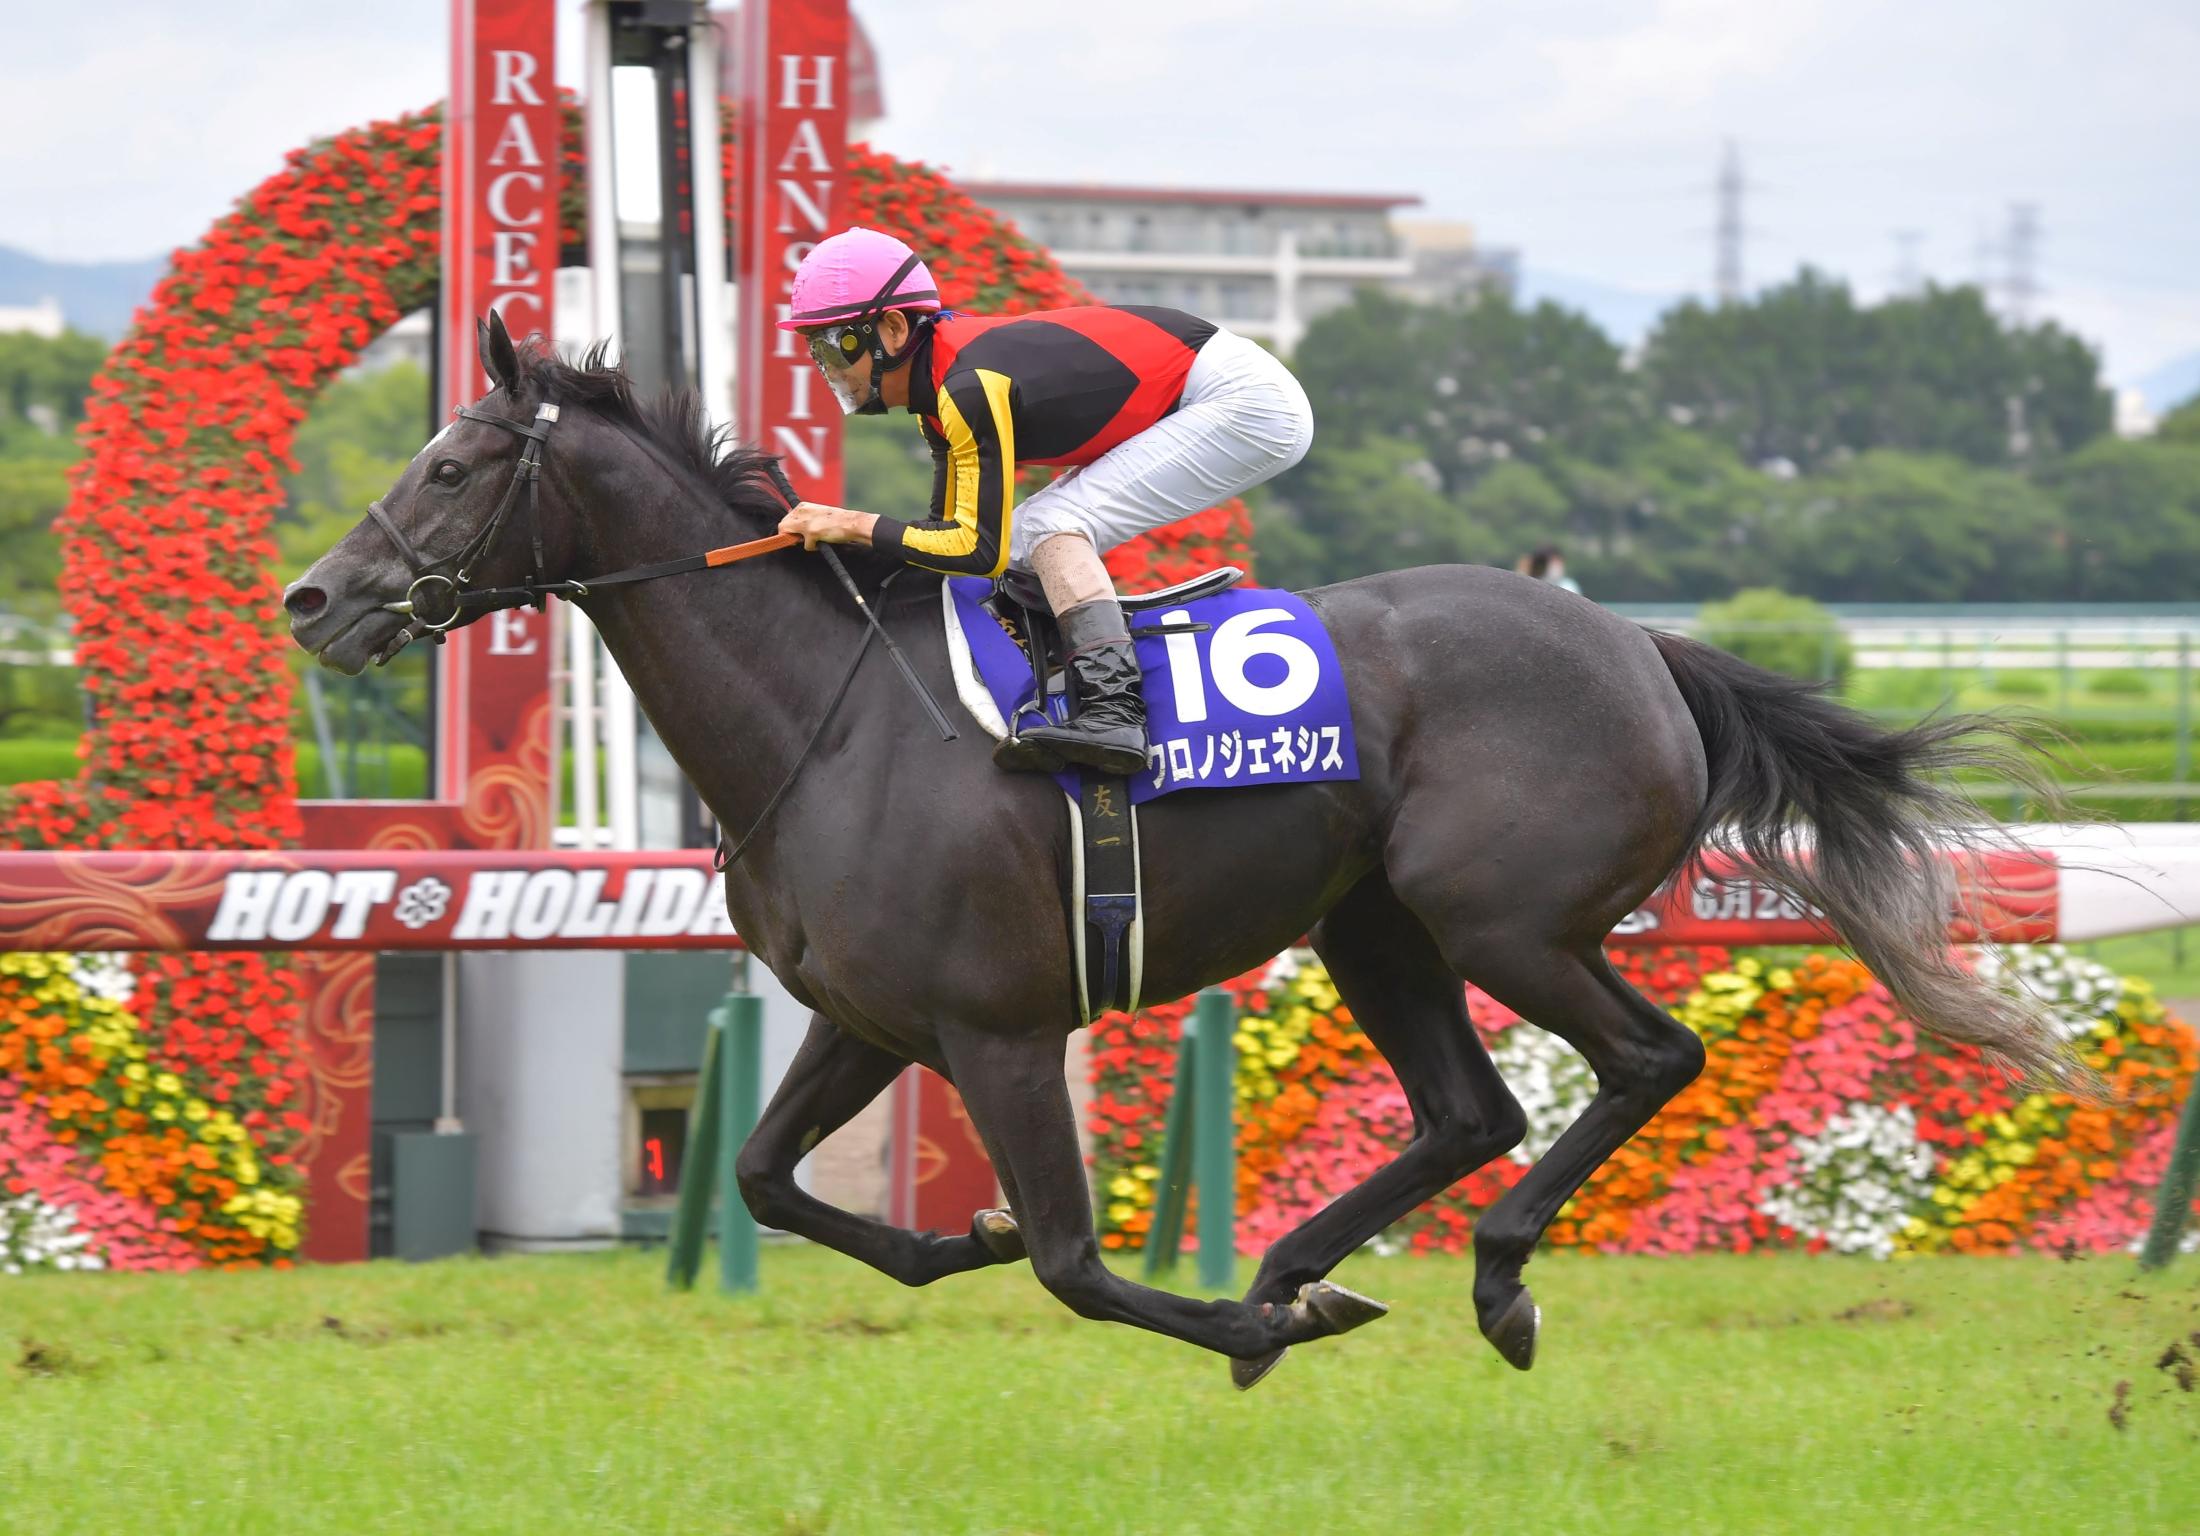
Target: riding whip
{"points": [[786, 490]]}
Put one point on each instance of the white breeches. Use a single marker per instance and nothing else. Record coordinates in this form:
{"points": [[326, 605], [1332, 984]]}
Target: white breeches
{"points": [[1243, 419]]}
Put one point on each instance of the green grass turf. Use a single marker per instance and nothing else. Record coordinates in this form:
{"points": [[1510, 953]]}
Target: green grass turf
{"points": [[2169, 959], [572, 1394]]}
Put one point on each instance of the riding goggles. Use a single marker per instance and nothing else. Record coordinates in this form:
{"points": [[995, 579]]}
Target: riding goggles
{"points": [[835, 348]]}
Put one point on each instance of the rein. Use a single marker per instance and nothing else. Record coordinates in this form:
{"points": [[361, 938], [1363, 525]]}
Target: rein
{"points": [[452, 572], [476, 601]]}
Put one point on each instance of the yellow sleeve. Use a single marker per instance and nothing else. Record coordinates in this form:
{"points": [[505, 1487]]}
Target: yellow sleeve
{"points": [[967, 534]]}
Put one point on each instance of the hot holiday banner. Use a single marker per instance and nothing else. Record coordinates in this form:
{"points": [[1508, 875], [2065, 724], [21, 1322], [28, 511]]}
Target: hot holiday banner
{"points": [[437, 899]]}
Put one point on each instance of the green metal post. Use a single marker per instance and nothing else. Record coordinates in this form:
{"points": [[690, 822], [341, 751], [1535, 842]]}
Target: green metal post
{"points": [[743, 1082], [2173, 1201], [1214, 1144], [691, 1216], [1165, 1238]]}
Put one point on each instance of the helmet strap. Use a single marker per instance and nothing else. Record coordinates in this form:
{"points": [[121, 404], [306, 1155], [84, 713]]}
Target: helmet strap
{"points": [[867, 323]]}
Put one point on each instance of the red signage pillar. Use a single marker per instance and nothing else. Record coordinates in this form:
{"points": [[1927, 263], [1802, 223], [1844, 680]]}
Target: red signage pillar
{"points": [[794, 136], [500, 251], [494, 748], [937, 1172]]}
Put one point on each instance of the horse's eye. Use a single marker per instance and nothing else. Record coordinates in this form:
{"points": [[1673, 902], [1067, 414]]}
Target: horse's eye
{"points": [[449, 472]]}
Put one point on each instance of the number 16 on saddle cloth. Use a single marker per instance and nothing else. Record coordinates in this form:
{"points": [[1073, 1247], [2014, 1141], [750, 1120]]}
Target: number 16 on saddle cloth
{"points": [[1248, 692]]}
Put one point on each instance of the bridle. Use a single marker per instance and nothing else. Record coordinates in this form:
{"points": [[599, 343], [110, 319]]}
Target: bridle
{"points": [[428, 575], [451, 573]]}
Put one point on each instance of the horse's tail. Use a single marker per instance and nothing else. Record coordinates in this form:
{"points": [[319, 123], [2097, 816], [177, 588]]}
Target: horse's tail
{"points": [[1783, 758]]}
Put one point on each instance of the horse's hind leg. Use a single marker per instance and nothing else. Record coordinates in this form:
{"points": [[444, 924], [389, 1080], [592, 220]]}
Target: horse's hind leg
{"points": [[1408, 1001], [833, 1076], [1641, 1058], [1014, 1090]]}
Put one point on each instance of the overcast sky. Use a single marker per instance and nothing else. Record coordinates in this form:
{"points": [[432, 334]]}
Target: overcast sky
{"points": [[1583, 133]]}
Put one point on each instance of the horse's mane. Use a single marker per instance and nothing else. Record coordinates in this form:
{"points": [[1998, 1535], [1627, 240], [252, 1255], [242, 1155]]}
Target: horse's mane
{"points": [[739, 475]]}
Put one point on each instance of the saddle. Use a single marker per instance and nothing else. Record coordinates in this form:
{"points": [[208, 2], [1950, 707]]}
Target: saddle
{"points": [[1019, 604], [1104, 874]]}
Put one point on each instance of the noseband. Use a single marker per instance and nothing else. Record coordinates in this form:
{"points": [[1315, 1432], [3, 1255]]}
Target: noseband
{"points": [[430, 575], [450, 574]]}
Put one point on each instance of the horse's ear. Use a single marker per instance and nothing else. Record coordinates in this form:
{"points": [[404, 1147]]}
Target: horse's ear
{"points": [[498, 355]]}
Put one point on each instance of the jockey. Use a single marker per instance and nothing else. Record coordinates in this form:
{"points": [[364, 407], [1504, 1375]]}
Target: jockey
{"points": [[1159, 414]]}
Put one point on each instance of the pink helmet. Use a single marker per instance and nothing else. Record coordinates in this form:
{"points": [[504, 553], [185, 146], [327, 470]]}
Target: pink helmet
{"points": [[858, 274]]}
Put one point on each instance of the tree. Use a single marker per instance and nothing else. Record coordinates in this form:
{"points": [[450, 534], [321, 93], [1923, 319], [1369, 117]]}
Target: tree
{"points": [[1683, 518], [1474, 385], [1353, 508], [1804, 374], [362, 432], [1901, 527], [1780, 632], [2181, 424], [2133, 511], [34, 488], [44, 382], [886, 467]]}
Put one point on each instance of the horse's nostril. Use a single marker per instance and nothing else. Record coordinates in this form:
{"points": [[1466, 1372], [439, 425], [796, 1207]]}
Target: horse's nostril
{"points": [[305, 602]]}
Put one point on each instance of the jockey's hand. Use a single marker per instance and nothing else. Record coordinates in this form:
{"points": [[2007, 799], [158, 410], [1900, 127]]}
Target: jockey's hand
{"points": [[818, 524]]}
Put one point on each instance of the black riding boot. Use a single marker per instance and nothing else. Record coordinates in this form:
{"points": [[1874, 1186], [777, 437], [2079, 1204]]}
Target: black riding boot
{"points": [[1107, 731]]}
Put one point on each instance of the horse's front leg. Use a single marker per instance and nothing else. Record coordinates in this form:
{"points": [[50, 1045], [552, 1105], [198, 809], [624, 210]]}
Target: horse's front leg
{"points": [[1014, 1090], [833, 1076]]}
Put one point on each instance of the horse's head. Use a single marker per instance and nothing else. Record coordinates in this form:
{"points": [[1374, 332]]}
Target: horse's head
{"points": [[466, 515]]}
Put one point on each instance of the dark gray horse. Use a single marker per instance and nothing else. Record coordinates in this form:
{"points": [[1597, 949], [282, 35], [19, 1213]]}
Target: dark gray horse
{"points": [[1531, 769]]}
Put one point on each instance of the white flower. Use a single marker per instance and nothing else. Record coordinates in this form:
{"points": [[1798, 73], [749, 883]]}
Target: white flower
{"points": [[2076, 993], [104, 973], [1284, 967], [1856, 1182], [35, 1235], [1549, 1078]]}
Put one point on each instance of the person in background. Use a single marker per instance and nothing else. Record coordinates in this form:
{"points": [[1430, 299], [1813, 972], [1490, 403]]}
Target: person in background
{"points": [[1548, 563]]}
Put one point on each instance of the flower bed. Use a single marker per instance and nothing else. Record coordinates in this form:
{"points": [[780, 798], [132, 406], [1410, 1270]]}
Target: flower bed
{"points": [[1822, 1120], [115, 1159]]}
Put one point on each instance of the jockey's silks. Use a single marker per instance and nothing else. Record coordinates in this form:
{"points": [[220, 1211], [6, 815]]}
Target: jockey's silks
{"points": [[1062, 386]]}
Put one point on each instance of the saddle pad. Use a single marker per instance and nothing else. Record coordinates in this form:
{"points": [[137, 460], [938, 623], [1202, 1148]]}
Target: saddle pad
{"points": [[1257, 697]]}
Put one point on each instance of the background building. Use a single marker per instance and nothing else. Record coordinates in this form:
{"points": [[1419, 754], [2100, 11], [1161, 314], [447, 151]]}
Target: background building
{"points": [[42, 319], [1263, 263]]}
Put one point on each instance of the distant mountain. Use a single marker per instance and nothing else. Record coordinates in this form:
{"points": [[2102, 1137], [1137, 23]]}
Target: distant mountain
{"points": [[2170, 385], [95, 296], [1625, 314]]}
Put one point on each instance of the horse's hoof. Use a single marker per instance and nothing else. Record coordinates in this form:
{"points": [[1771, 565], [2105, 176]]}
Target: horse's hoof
{"points": [[1514, 1332], [1340, 1310], [1003, 1239], [1247, 1374]]}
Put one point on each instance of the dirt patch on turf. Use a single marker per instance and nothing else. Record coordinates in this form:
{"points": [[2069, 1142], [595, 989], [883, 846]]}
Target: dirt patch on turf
{"points": [[866, 1327], [2178, 1382], [1880, 1309], [372, 1334], [36, 1357]]}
